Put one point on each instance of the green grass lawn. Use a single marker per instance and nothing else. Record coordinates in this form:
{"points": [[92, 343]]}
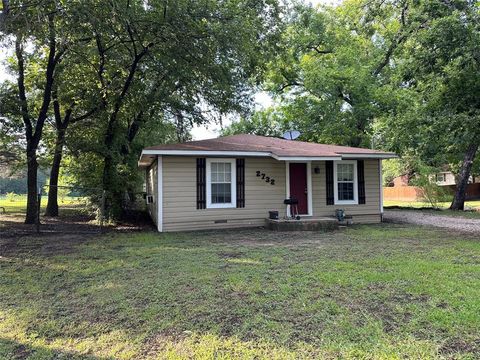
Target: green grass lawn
{"points": [[474, 204], [382, 292], [19, 203]]}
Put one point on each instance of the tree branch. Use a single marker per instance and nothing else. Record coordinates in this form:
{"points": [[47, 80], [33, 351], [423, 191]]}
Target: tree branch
{"points": [[85, 115], [402, 35], [21, 88], [49, 75], [318, 51], [289, 84]]}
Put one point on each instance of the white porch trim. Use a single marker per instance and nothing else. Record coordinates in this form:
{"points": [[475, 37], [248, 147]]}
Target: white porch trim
{"points": [[368, 156], [380, 172]]}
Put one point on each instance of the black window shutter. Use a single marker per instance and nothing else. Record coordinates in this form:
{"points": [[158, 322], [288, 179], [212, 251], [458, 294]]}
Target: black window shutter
{"points": [[330, 182], [240, 183], [361, 181], [201, 184]]}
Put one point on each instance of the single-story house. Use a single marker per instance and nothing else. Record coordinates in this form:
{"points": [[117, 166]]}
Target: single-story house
{"points": [[447, 178], [234, 181]]}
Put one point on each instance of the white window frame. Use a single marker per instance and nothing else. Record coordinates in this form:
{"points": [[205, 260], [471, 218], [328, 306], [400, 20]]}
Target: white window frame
{"points": [[233, 169], [355, 183], [444, 176]]}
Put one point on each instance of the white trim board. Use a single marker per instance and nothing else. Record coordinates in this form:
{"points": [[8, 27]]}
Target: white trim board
{"points": [[368, 156], [208, 153], [160, 193], [380, 172], [205, 152]]}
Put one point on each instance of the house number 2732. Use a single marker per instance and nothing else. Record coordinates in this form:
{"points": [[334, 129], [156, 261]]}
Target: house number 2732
{"points": [[267, 179]]}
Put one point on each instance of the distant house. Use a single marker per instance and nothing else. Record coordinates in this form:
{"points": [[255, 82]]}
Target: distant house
{"points": [[234, 181], [399, 189], [446, 178]]}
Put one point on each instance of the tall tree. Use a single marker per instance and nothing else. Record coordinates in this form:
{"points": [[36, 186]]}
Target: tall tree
{"points": [[438, 110], [335, 62], [33, 26], [182, 63]]}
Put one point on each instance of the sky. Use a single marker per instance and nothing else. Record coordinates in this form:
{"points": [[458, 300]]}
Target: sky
{"points": [[262, 99]]}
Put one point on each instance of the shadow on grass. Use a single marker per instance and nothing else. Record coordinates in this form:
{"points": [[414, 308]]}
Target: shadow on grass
{"points": [[358, 289], [11, 349]]}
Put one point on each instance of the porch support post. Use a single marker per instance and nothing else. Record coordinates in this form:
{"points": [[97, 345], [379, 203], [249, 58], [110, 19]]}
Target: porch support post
{"points": [[287, 185], [309, 188], [380, 171]]}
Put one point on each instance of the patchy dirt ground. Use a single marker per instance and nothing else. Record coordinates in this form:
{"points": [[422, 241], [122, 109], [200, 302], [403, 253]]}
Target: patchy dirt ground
{"points": [[11, 225], [422, 218]]}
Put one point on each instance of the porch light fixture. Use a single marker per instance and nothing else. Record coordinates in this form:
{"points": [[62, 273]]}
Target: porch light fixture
{"points": [[317, 170]]}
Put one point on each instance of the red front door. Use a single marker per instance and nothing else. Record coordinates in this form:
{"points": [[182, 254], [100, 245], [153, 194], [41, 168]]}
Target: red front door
{"points": [[298, 186]]}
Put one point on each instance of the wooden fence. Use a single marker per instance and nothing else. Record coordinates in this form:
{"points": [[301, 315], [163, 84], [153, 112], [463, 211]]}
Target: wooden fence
{"points": [[402, 193], [414, 193]]}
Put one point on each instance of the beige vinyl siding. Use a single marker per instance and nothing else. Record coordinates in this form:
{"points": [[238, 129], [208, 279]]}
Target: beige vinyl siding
{"points": [[368, 211], [152, 189], [180, 206], [180, 200]]}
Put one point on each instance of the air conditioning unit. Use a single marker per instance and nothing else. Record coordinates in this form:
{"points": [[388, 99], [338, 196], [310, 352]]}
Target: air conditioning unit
{"points": [[149, 199]]}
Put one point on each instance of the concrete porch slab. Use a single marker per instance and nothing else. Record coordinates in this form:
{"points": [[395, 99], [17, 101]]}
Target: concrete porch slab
{"points": [[304, 224]]}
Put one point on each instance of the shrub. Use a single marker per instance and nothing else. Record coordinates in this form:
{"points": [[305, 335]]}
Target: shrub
{"points": [[11, 196], [430, 191]]}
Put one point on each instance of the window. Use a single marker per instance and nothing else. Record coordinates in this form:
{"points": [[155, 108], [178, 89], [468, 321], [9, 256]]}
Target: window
{"points": [[441, 177], [345, 176], [221, 185]]}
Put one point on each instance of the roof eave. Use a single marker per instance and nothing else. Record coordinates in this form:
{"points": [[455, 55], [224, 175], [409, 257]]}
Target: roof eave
{"points": [[306, 158], [369, 156], [147, 153]]}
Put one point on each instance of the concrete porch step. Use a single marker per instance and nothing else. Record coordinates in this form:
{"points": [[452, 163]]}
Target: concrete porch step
{"points": [[304, 224]]}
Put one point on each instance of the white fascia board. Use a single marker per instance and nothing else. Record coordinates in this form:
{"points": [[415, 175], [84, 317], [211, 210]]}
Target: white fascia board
{"points": [[205, 153], [143, 164], [306, 158], [261, 154], [369, 156]]}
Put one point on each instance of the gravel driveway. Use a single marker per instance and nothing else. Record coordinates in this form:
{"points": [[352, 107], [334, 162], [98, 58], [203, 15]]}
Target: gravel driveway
{"points": [[422, 218]]}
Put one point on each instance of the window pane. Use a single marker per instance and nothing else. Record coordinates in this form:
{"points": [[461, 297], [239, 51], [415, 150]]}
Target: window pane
{"points": [[221, 193], [345, 191], [214, 177], [345, 172]]}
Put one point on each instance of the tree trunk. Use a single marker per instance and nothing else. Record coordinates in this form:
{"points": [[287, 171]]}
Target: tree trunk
{"points": [[458, 202], [32, 167], [52, 205], [113, 193]]}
